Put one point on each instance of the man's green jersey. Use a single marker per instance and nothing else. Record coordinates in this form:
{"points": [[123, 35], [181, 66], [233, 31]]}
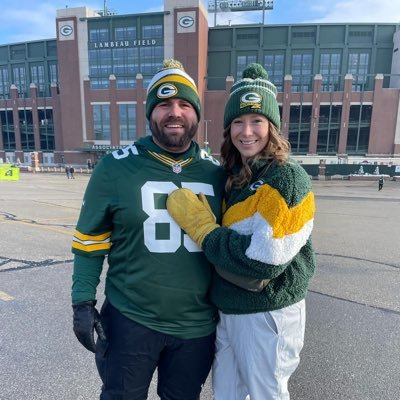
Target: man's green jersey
{"points": [[157, 276]]}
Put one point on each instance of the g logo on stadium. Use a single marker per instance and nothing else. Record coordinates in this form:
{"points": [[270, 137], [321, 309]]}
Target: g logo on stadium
{"points": [[186, 22], [66, 30], [167, 90], [251, 99]]}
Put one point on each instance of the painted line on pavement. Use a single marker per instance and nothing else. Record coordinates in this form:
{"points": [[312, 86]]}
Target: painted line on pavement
{"points": [[5, 297], [48, 228]]}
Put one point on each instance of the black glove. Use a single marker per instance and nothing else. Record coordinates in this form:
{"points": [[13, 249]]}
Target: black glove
{"points": [[86, 320]]}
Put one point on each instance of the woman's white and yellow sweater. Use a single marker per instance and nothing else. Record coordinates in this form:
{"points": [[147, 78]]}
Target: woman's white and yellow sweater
{"points": [[269, 237]]}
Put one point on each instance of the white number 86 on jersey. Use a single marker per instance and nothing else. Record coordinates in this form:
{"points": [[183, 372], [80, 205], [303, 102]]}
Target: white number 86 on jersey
{"points": [[161, 216]]}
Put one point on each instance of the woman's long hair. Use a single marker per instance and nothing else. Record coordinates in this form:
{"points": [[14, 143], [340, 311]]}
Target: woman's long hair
{"points": [[277, 149]]}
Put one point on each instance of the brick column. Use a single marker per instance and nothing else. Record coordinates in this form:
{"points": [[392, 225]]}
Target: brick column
{"points": [[344, 122], [2, 153], [58, 140], [35, 119], [17, 130], [140, 107], [286, 95], [115, 139], [312, 146]]}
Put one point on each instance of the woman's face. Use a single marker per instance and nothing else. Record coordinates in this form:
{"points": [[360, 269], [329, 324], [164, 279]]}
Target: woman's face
{"points": [[250, 134]]}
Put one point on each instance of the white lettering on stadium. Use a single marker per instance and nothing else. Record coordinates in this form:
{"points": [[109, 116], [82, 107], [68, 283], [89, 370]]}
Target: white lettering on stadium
{"points": [[125, 43]]}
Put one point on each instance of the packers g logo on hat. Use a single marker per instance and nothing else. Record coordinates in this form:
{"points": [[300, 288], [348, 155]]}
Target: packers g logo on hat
{"points": [[167, 90], [251, 99]]}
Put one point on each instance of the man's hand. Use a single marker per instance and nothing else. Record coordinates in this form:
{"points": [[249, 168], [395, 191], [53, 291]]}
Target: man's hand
{"points": [[86, 320], [193, 214]]}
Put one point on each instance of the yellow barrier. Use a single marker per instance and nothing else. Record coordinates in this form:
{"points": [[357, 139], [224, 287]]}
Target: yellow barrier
{"points": [[8, 172]]}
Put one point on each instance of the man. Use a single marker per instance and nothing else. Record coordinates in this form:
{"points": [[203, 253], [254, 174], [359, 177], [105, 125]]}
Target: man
{"points": [[380, 183], [156, 313]]}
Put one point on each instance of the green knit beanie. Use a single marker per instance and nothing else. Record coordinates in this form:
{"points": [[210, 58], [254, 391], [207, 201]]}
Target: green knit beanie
{"points": [[254, 93], [172, 82]]}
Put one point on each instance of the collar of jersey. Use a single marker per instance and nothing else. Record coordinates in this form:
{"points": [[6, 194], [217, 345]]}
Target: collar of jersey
{"points": [[169, 161], [151, 148]]}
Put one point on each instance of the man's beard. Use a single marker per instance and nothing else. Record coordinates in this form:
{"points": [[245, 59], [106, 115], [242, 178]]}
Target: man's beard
{"points": [[173, 142]]}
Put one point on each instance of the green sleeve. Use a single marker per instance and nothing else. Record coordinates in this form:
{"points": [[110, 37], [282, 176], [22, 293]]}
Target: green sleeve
{"points": [[226, 249], [86, 277], [92, 236]]}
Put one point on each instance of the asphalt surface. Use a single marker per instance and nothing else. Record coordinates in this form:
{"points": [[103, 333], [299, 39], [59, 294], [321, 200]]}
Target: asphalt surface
{"points": [[352, 345]]}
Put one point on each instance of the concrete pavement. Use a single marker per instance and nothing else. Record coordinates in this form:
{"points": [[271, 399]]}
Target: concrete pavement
{"points": [[352, 348]]}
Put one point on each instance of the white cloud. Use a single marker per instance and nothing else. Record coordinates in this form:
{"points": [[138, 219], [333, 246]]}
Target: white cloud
{"points": [[311, 11], [31, 20], [357, 11], [236, 18], [28, 24]]}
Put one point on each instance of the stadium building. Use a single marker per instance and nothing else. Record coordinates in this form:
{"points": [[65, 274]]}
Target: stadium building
{"points": [[71, 99]]}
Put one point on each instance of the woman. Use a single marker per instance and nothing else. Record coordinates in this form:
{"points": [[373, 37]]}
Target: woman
{"points": [[262, 253]]}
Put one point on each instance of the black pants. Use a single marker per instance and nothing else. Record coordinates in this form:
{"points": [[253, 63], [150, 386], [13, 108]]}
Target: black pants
{"points": [[128, 358]]}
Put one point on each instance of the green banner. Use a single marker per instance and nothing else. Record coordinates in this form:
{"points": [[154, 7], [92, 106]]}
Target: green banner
{"points": [[8, 172]]}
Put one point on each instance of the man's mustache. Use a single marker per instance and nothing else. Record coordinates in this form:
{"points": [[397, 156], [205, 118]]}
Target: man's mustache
{"points": [[173, 120]]}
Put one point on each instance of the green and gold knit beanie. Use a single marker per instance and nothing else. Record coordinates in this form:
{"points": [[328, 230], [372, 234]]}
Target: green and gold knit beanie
{"points": [[172, 82], [254, 93]]}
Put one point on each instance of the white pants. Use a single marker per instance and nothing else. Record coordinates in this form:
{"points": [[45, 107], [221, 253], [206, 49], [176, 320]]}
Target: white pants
{"points": [[257, 353]]}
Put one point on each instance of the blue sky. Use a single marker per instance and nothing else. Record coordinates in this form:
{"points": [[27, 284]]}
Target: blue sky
{"points": [[25, 20]]}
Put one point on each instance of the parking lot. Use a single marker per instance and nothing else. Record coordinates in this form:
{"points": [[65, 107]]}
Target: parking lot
{"points": [[352, 348]]}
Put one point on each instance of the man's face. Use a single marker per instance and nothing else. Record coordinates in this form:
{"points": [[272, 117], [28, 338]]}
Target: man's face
{"points": [[173, 124]]}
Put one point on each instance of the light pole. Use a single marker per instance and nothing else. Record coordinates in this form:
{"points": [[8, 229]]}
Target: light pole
{"points": [[206, 121]]}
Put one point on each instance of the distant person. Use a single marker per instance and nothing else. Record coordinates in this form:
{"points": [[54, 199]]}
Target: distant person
{"points": [[157, 313], [67, 171], [380, 183], [71, 172], [262, 253]]}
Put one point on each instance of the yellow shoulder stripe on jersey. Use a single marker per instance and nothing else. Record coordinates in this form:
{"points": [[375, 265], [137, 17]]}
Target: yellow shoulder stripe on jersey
{"points": [[91, 247], [269, 203], [91, 243], [83, 237]]}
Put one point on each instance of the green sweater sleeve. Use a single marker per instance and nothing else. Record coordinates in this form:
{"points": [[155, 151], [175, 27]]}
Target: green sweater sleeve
{"points": [[86, 277], [226, 249]]}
